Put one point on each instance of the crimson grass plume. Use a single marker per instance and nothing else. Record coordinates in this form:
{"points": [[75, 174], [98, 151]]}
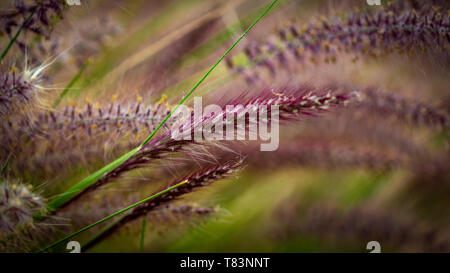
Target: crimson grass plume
{"points": [[292, 105], [190, 183], [384, 132]]}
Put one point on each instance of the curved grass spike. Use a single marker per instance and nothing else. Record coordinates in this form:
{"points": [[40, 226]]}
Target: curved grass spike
{"points": [[196, 180], [207, 74], [93, 178], [201, 178], [113, 215]]}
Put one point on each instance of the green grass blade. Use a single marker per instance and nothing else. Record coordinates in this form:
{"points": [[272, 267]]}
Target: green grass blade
{"points": [[16, 35], [93, 178], [85, 183], [102, 231], [112, 215], [207, 73], [72, 82]]}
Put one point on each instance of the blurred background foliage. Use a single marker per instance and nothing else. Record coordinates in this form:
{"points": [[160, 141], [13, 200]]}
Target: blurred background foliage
{"points": [[334, 198]]}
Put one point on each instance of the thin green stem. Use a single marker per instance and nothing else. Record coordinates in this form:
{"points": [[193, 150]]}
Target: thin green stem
{"points": [[207, 74], [72, 82], [113, 215], [93, 178], [16, 35], [102, 231]]}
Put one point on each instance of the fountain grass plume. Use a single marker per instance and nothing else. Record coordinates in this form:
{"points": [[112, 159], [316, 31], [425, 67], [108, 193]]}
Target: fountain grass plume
{"points": [[198, 179], [93, 178], [167, 193], [19, 90], [292, 105], [357, 35]]}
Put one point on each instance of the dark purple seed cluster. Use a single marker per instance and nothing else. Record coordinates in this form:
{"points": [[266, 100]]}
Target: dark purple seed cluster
{"points": [[389, 104], [190, 183], [357, 35], [42, 11], [17, 205], [16, 92]]}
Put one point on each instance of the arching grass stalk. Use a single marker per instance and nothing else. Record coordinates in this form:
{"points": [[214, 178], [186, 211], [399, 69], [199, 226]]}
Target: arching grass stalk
{"points": [[16, 35], [113, 215], [196, 180], [90, 180], [207, 74]]}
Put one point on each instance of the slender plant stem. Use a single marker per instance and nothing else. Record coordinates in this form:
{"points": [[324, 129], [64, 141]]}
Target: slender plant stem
{"points": [[112, 215], [144, 221], [207, 74], [72, 82], [93, 178], [91, 240], [16, 35]]}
